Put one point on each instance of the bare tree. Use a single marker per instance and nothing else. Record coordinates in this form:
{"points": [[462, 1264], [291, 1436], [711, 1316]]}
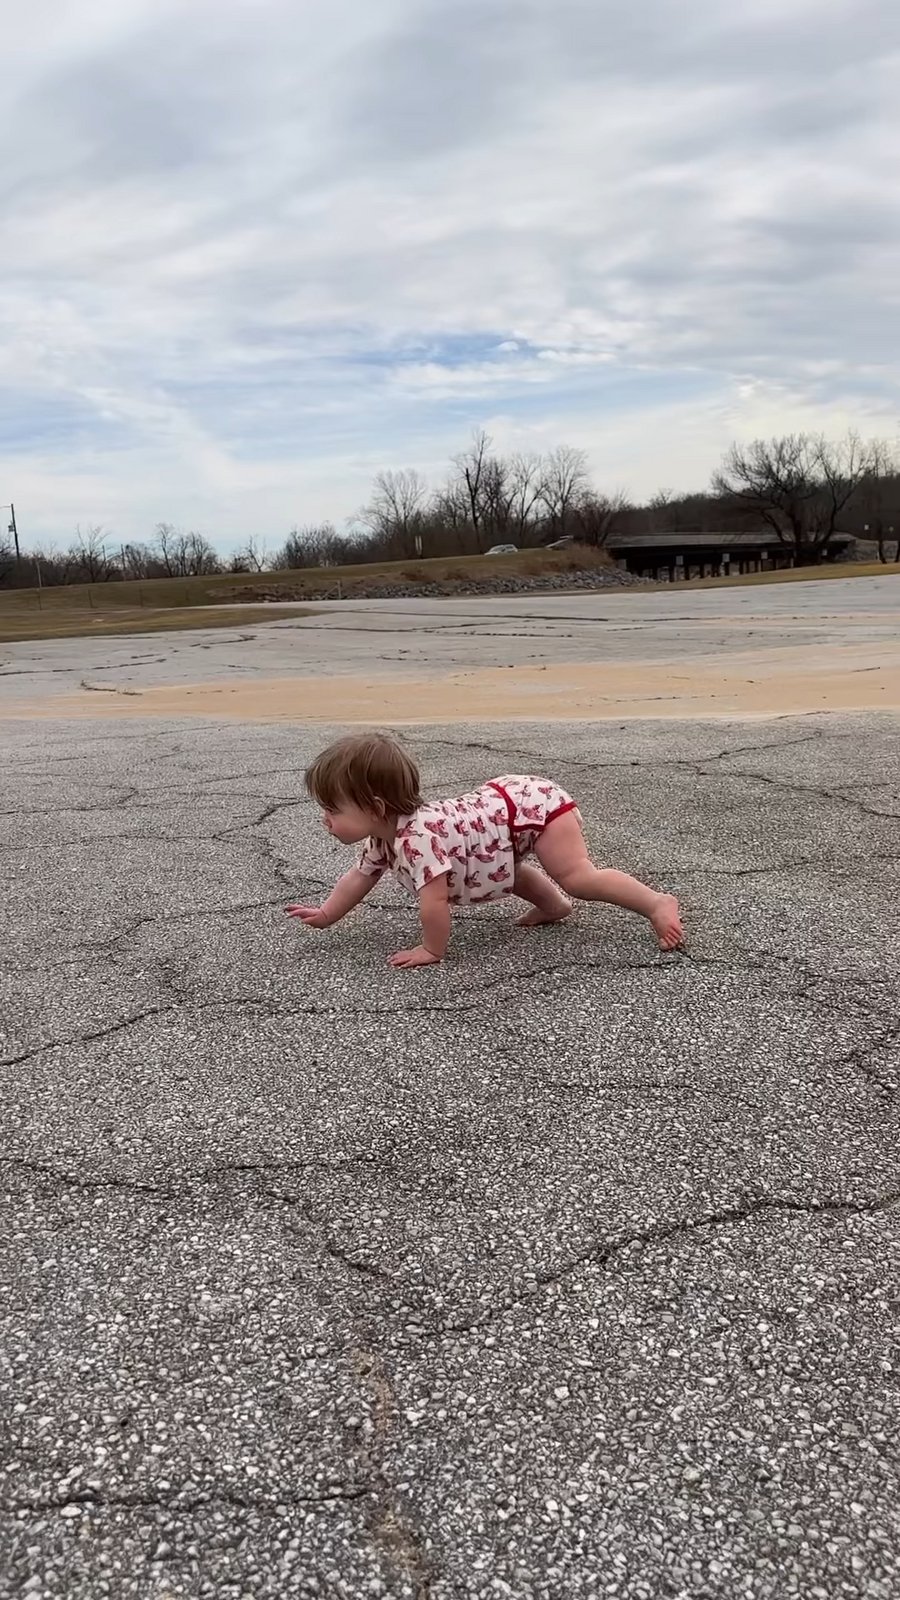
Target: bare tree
{"points": [[36, 568], [493, 497], [496, 500], [526, 477], [396, 511], [659, 515], [798, 486], [185, 555], [136, 561], [292, 554], [251, 557], [667, 512], [841, 468], [87, 558], [565, 482], [596, 515], [351, 549], [316, 545], [879, 498], [450, 511], [202, 561], [471, 468], [169, 546]]}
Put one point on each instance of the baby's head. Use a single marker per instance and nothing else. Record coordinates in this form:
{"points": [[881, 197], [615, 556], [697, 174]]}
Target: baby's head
{"points": [[363, 784]]}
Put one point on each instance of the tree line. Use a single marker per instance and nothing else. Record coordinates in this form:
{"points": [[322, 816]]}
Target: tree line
{"points": [[801, 489]]}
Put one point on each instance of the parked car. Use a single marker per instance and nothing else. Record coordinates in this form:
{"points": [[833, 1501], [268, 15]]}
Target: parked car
{"points": [[502, 550]]}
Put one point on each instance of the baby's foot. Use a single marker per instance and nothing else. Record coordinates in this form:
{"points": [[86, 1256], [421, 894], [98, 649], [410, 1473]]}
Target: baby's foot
{"points": [[666, 920], [539, 915]]}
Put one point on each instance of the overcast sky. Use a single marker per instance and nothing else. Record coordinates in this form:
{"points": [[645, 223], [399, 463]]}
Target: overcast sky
{"points": [[256, 250]]}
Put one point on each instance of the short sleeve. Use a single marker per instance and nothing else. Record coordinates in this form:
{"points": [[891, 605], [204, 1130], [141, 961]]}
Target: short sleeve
{"points": [[374, 859], [420, 848]]}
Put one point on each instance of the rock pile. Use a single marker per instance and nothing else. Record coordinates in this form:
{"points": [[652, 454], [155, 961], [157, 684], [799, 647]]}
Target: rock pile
{"points": [[378, 589]]}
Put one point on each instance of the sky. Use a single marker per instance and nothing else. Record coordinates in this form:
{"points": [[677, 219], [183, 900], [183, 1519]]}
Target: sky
{"points": [[257, 251]]}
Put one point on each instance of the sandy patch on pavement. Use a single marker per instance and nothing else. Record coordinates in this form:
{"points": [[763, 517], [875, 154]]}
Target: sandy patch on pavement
{"points": [[762, 683]]}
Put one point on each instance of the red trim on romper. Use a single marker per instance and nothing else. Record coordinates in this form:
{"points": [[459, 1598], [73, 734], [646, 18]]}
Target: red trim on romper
{"points": [[508, 800], [570, 805], [529, 827]]}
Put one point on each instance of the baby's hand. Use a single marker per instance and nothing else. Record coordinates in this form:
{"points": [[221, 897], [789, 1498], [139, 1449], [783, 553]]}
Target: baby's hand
{"points": [[420, 957], [310, 916]]}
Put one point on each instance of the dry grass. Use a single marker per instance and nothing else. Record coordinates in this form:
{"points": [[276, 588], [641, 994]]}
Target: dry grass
{"points": [[164, 593], [840, 569], [71, 622], [156, 605]]}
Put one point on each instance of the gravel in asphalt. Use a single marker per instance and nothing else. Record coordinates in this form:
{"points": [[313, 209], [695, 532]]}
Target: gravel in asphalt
{"points": [[564, 1269]]}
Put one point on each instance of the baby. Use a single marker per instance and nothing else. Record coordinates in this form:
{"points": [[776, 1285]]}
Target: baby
{"points": [[461, 852]]}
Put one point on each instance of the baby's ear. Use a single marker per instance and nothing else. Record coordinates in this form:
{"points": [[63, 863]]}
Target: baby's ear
{"points": [[379, 808]]}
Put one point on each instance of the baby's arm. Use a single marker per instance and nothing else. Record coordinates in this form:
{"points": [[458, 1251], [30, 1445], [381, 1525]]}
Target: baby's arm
{"points": [[434, 910], [349, 891]]}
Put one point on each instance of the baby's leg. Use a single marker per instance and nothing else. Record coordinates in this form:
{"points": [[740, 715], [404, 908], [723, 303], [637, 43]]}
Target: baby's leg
{"points": [[541, 893], [562, 852]]}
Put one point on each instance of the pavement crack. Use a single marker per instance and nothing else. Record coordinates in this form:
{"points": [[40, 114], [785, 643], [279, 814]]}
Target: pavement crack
{"points": [[416, 1005], [698, 765], [365, 1268], [604, 1255], [804, 789], [91, 946], [121, 1026], [633, 761], [776, 867], [270, 810], [102, 688], [88, 808], [663, 1085], [134, 927], [183, 1501], [859, 1058], [90, 842], [249, 1003], [400, 1540], [277, 864], [746, 961], [186, 1182]]}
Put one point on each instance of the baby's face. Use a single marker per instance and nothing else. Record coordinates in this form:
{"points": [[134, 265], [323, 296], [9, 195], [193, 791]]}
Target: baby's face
{"points": [[348, 822]]}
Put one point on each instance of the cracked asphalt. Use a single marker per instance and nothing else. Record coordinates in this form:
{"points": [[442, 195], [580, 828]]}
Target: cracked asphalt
{"points": [[564, 1269]]}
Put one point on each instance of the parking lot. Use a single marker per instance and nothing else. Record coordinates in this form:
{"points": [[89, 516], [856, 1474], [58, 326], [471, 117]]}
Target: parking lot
{"points": [[562, 1269]]}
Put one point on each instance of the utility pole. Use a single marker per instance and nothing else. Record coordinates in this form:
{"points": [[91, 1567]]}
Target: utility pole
{"points": [[13, 529]]}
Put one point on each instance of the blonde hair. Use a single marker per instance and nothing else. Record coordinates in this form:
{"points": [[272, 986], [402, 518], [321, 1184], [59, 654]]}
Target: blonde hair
{"points": [[368, 769]]}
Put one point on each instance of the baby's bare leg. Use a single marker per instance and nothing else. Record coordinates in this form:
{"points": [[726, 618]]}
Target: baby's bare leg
{"points": [[541, 892], [562, 852]]}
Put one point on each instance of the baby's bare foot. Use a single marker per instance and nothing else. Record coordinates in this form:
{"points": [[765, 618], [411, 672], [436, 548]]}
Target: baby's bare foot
{"points": [[666, 920], [539, 915]]}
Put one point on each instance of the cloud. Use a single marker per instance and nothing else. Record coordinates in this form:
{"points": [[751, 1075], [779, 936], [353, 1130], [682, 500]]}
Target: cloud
{"points": [[255, 253]]}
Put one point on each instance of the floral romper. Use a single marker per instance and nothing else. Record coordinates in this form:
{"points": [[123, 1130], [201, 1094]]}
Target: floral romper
{"points": [[475, 840]]}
